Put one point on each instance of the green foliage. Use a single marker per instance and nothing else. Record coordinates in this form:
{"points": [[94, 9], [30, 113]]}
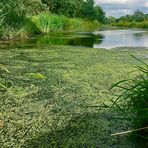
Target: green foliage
{"points": [[45, 23], [49, 23], [33, 7], [80, 24], [134, 97], [143, 24], [137, 20], [12, 16], [88, 9], [69, 8], [76, 8], [30, 27], [138, 16], [13, 12], [18, 21], [92, 12], [110, 20], [22, 18], [99, 14]]}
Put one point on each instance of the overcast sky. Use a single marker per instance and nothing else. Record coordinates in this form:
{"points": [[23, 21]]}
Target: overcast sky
{"points": [[122, 7]]}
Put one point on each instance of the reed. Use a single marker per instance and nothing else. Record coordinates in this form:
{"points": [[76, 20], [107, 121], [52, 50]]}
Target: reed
{"points": [[133, 99]]}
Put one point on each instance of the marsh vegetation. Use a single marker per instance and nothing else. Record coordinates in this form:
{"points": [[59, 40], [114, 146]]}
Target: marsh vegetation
{"points": [[56, 95]]}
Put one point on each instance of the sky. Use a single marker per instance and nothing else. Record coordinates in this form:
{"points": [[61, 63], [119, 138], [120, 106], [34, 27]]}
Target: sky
{"points": [[119, 8]]}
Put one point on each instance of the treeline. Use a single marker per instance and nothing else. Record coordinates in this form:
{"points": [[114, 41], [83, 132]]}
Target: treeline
{"points": [[23, 17], [76, 8], [138, 20]]}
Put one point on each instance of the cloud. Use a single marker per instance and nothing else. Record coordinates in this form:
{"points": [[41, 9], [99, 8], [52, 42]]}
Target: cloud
{"points": [[119, 1], [118, 8], [112, 1], [146, 4]]}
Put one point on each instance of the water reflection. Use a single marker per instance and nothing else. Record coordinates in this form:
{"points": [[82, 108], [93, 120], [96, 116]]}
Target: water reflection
{"points": [[97, 39], [104, 38], [75, 39], [123, 38]]}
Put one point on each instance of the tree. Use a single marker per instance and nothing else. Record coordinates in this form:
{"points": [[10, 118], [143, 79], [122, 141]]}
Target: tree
{"points": [[76, 8], [99, 14], [138, 16], [69, 8], [88, 9], [111, 20]]}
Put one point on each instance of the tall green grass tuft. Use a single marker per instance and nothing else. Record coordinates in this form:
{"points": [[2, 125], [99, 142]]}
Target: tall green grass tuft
{"points": [[133, 99], [46, 23], [49, 23]]}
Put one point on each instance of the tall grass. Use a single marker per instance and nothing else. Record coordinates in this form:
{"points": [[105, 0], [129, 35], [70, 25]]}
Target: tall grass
{"points": [[133, 99], [49, 23], [12, 18], [80, 24], [46, 23], [14, 13]]}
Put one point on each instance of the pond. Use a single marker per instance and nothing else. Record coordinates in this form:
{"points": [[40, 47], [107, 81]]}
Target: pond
{"points": [[105, 37]]}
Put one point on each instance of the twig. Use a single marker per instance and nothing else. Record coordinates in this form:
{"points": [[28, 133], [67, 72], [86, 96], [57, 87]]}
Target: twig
{"points": [[122, 133]]}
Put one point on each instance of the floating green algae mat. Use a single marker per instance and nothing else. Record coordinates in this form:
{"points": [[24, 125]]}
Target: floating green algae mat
{"points": [[55, 95]]}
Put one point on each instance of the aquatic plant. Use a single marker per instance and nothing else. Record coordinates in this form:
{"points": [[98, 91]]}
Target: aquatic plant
{"points": [[5, 82], [133, 99]]}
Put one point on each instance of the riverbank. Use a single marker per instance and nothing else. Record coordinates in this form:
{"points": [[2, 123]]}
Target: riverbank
{"points": [[45, 23], [54, 95], [142, 25]]}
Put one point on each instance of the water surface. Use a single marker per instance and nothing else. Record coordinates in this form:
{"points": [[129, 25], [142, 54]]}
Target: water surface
{"points": [[102, 38]]}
